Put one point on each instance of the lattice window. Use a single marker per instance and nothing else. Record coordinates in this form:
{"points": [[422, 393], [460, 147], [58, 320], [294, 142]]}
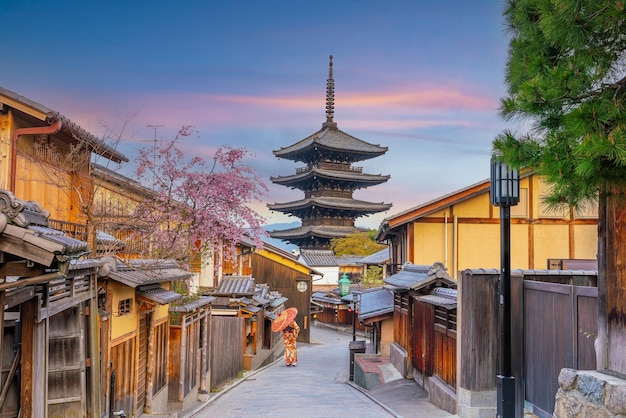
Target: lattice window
{"points": [[125, 307]]}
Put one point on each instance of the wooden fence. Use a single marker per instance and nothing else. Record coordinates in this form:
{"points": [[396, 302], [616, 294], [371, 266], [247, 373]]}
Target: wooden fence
{"points": [[227, 335], [560, 323]]}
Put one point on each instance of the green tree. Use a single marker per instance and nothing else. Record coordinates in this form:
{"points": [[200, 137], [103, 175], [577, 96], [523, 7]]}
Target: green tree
{"points": [[566, 80], [373, 277], [361, 243]]}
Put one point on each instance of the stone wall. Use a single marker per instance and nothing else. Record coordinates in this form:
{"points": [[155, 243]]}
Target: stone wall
{"points": [[590, 394]]}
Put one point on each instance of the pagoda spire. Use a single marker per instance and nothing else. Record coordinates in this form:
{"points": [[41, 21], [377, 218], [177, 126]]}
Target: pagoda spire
{"points": [[330, 98]]}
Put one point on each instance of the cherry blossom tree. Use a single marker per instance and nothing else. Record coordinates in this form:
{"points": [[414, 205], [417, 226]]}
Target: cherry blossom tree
{"points": [[199, 207]]}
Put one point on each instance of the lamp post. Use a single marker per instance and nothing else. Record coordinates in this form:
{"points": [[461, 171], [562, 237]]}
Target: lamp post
{"points": [[504, 193], [355, 312]]}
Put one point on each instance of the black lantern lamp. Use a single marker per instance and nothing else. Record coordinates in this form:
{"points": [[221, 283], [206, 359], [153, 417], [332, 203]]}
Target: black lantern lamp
{"points": [[504, 193]]}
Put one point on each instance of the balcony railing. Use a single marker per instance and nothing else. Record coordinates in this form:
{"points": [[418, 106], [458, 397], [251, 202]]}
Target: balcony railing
{"points": [[330, 166]]}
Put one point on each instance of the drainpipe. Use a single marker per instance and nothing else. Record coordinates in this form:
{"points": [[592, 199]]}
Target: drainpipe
{"points": [[47, 130]]}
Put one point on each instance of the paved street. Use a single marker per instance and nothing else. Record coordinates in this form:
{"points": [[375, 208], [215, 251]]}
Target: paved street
{"points": [[316, 387]]}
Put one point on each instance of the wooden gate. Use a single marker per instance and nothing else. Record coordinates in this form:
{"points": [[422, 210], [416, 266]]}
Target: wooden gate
{"points": [[66, 364], [560, 323]]}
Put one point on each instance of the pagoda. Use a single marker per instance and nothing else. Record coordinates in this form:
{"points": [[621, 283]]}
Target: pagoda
{"points": [[328, 181]]}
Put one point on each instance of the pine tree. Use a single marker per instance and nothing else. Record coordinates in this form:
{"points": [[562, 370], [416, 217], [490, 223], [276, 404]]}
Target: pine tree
{"points": [[567, 82]]}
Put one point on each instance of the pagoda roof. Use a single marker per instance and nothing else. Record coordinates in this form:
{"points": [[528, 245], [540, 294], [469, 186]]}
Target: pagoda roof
{"points": [[330, 139], [341, 203], [349, 176], [323, 231]]}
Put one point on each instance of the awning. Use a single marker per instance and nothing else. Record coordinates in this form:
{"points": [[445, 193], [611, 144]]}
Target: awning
{"points": [[158, 294]]}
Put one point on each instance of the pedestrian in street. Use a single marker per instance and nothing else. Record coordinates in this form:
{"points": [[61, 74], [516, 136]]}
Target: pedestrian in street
{"points": [[290, 337], [285, 322]]}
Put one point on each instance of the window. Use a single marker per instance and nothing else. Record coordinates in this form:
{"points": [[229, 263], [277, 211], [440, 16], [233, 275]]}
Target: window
{"points": [[125, 307]]}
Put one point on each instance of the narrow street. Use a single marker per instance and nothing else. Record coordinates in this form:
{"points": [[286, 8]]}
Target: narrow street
{"points": [[316, 387]]}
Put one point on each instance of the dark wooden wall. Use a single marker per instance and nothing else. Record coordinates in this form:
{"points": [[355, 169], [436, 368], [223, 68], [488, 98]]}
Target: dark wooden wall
{"points": [[284, 279], [227, 333], [556, 320]]}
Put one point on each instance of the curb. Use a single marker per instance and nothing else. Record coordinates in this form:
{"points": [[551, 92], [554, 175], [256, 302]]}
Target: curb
{"points": [[379, 403]]}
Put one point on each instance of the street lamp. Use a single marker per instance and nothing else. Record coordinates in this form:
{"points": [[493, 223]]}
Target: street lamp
{"points": [[344, 285], [504, 193]]}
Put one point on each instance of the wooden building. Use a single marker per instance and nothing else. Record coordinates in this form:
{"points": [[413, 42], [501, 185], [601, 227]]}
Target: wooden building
{"points": [[329, 179], [134, 301], [462, 230], [284, 273], [189, 351], [408, 284], [48, 319]]}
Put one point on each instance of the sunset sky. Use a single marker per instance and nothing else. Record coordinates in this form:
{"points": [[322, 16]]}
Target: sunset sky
{"points": [[423, 78]]}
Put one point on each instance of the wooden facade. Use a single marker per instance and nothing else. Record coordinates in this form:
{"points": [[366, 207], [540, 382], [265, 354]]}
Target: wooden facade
{"points": [[189, 352], [554, 321], [282, 272], [49, 305], [462, 231]]}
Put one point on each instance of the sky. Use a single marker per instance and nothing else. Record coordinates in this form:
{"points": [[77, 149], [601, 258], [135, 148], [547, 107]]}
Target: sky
{"points": [[421, 77]]}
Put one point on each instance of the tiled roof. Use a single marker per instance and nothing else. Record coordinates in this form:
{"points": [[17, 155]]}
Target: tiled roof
{"points": [[379, 257], [414, 277], [441, 296], [193, 305], [73, 130], [24, 232], [324, 231], [318, 258], [375, 302], [348, 260], [344, 176], [143, 272], [236, 285], [343, 203], [328, 297], [332, 139], [158, 294]]}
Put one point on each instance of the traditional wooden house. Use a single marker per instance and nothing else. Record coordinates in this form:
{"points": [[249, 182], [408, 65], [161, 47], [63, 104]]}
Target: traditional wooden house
{"points": [[242, 315], [134, 300], [328, 181], [48, 317], [189, 350], [462, 230], [284, 273], [49, 160], [408, 284]]}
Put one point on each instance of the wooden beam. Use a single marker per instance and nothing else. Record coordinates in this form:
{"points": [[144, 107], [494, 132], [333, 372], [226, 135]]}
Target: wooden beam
{"points": [[28, 353]]}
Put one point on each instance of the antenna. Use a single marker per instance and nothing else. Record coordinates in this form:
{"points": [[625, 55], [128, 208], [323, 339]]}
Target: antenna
{"points": [[154, 151]]}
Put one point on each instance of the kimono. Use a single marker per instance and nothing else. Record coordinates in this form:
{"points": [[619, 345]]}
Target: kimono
{"points": [[290, 335]]}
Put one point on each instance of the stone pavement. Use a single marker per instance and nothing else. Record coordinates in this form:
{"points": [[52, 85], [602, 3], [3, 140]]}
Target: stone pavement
{"points": [[317, 387]]}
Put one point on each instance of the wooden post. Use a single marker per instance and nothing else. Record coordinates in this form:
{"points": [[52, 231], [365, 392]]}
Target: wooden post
{"points": [[478, 342], [96, 392], [205, 350], [183, 357], [150, 364], [28, 354]]}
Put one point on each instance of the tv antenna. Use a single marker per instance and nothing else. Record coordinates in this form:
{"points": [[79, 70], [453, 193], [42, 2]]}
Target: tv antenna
{"points": [[154, 151]]}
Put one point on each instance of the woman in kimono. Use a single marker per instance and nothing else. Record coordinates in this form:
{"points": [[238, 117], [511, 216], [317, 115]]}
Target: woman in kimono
{"points": [[290, 335]]}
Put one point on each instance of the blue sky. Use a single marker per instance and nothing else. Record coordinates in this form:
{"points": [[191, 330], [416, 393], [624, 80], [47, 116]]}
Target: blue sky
{"points": [[423, 78]]}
